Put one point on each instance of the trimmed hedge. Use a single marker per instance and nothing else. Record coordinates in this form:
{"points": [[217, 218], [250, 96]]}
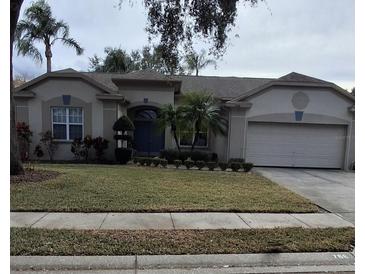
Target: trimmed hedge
{"points": [[223, 166], [189, 163], [172, 154], [235, 166], [177, 163], [247, 166], [156, 161], [212, 165], [163, 162], [200, 164]]}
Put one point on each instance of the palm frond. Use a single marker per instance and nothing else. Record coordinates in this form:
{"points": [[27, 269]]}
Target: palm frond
{"points": [[25, 47], [62, 27], [70, 42]]}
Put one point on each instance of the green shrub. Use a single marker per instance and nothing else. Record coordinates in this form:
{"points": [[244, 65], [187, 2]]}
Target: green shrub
{"points": [[236, 166], [247, 166], [135, 160], [177, 163], [172, 154], [212, 165], [200, 164], [156, 161], [142, 161], [223, 166], [236, 160], [148, 161], [163, 162], [200, 156], [189, 163]]}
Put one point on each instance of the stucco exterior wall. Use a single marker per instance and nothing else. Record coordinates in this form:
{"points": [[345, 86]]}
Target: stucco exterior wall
{"points": [[324, 106], [49, 93], [149, 95]]}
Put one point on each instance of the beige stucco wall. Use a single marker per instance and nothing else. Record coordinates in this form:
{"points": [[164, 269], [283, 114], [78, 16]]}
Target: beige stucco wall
{"points": [[275, 105], [157, 95], [48, 93]]}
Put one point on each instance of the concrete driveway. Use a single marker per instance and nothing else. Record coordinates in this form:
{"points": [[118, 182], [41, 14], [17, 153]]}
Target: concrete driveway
{"points": [[333, 190]]}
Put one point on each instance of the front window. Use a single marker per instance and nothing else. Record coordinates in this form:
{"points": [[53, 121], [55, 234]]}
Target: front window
{"points": [[187, 138], [67, 123]]}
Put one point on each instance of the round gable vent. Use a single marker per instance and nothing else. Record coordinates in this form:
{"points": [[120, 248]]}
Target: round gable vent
{"points": [[300, 100]]}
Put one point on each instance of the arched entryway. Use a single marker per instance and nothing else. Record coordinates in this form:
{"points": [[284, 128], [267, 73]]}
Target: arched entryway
{"points": [[148, 138]]}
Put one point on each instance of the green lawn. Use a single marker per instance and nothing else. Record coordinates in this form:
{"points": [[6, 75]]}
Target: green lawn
{"points": [[29, 241], [92, 188]]}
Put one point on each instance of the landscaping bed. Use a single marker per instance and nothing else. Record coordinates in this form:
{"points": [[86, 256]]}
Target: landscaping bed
{"points": [[30, 241], [31, 176], [114, 188]]}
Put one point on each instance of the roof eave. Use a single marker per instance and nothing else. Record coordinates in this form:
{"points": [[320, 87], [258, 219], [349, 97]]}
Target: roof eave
{"points": [[63, 75], [292, 83]]}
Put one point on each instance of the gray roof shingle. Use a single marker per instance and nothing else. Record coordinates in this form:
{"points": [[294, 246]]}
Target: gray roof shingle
{"points": [[222, 87]]}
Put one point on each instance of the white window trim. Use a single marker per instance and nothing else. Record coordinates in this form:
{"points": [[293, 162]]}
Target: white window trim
{"points": [[68, 122], [192, 138]]}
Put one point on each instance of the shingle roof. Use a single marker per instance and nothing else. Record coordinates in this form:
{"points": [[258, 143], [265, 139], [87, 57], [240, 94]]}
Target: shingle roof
{"points": [[297, 77], [221, 87]]}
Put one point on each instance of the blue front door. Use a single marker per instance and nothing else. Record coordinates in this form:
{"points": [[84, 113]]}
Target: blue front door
{"points": [[148, 139]]}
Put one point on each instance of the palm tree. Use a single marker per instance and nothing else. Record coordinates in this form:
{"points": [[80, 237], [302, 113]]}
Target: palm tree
{"points": [[40, 26], [168, 116], [196, 62], [201, 111]]}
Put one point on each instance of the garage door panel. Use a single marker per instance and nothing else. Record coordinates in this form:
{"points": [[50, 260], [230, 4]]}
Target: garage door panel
{"points": [[295, 145]]}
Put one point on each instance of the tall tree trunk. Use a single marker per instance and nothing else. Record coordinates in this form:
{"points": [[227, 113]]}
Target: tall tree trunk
{"points": [[196, 136], [176, 141], [48, 54], [196, 71], [173, 130], [16, 166]]}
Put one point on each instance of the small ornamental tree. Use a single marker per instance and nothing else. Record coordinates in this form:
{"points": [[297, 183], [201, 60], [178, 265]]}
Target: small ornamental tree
{"points": [[100, 144], [86, 145], [123, 151], [48, 141], [76, 148], [80, 147], [24, 139]]}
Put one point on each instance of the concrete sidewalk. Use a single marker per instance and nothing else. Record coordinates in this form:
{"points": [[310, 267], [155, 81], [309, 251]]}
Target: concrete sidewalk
{"points": [[333, 262], [170, 221]]}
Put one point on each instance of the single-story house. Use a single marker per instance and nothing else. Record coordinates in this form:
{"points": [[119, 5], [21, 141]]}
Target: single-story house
{"points": [[291, 121]]}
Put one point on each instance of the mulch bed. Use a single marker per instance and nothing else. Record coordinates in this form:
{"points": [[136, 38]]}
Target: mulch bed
{"points": [[33, 176]]}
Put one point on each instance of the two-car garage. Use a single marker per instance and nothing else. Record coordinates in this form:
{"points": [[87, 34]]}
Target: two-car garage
{"points": [[296, 145]]}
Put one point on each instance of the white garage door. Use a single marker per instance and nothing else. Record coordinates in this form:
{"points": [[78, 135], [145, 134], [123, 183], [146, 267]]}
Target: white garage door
{"points": [[295, 145]]}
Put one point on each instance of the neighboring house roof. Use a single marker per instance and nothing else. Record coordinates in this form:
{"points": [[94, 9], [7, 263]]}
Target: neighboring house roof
{"points": [[226, 88]]}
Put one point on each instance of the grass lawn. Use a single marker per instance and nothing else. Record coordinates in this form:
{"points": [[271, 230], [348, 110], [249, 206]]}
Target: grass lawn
{"points": [[30, 241], [115, 188]]}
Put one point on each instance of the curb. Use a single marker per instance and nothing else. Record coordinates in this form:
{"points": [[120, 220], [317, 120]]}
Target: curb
{"points": [[343, 260]]}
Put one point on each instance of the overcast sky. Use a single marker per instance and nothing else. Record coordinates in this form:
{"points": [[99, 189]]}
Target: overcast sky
{"points": [[312, 37]]}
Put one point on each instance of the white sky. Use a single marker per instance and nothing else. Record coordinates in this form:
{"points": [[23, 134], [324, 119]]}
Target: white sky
{"points": [[312, 37]]}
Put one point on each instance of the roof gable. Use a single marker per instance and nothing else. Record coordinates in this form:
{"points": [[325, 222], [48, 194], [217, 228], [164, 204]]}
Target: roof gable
{"points": [[297, 77], [298, 80], [67, 73]]}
